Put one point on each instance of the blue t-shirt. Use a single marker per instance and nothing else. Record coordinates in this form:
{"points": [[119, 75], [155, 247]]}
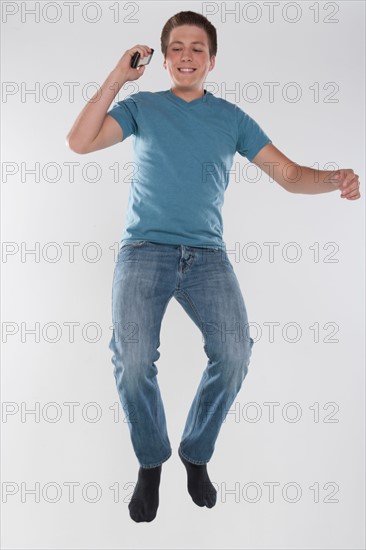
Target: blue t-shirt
{"points": [[183, 153]]}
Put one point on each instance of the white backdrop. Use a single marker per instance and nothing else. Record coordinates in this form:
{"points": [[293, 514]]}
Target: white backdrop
{"points": [[288, 463]]}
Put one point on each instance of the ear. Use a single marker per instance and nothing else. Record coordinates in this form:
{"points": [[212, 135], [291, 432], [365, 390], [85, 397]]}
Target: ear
{"points": [[212, 62]]}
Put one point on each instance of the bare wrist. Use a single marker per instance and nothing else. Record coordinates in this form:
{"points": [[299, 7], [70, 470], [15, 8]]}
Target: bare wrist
{"points": [[118, 77]]}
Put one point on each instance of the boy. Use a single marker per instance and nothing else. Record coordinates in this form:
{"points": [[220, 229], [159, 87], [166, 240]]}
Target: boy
{"points": [[185, 140]]}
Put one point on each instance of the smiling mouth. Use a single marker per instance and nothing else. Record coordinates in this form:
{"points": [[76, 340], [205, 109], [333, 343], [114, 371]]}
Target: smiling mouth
{"points": [[188, 71]]}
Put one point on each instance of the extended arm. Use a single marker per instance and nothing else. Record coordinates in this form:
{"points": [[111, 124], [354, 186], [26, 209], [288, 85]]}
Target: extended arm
{"points": [[302, 179]]}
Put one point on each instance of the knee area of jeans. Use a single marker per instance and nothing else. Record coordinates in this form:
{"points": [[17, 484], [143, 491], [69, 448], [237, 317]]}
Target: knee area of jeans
{"points": [[236, 367], [231, 352], [136, 372]]}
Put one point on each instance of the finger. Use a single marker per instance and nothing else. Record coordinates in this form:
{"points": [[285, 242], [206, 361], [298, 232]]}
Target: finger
{"points": [[145, 50], [350, 180], [354, 198], [352, 184], [352, 187], [353, 193], [346, 194], [139, 48]]}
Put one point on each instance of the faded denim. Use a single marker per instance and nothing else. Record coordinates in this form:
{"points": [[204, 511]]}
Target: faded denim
{"points": [[146, 276]]}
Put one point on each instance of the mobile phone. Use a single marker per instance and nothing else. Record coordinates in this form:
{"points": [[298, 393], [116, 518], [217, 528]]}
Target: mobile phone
{"points": [[135, 61]]}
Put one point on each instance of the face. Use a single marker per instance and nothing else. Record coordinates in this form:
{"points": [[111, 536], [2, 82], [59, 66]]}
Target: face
{"points": [[188, 47]]}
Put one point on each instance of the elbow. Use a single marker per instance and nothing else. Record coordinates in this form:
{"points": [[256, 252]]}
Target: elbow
{"points": [[286, 186], [74, 146]]}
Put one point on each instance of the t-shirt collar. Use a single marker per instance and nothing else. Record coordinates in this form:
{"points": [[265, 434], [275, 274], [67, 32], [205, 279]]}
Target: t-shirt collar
{"points": [[184, 102]]}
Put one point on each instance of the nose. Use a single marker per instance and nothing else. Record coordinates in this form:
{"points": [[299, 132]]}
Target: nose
{"points": [[186, 55]]}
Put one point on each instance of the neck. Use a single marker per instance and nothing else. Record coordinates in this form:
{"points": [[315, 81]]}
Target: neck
{"points": [[188, 95]]}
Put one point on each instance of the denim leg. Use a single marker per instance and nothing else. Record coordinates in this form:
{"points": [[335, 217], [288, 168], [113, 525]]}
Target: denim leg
{"points": [[140, 295], [211, 296]]}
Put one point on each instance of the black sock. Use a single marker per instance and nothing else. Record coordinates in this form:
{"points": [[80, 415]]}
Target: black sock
{"points": [[145, 499], [199, 486]]}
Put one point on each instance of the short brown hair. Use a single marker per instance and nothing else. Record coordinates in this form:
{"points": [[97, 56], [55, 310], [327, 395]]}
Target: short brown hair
{"points": [[189, 18]]}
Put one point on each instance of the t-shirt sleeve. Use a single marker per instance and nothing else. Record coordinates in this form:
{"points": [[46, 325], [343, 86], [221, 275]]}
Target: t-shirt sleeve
{"points": [[125, 113], [251, 137]]}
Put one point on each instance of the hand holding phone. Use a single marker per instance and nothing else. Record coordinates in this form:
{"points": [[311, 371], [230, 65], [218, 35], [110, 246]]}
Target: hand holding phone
{"points": [[136, 62]]}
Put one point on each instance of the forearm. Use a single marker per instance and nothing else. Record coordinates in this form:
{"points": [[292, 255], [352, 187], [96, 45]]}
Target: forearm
{"points": [[89, 122], [309, 181]]}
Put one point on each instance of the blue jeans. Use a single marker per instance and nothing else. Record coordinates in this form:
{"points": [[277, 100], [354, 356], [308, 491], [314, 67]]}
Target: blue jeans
{"points": [[146, 276]]}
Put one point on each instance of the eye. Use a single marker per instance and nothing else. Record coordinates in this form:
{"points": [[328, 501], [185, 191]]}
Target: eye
{"points": [[177, 49]]}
